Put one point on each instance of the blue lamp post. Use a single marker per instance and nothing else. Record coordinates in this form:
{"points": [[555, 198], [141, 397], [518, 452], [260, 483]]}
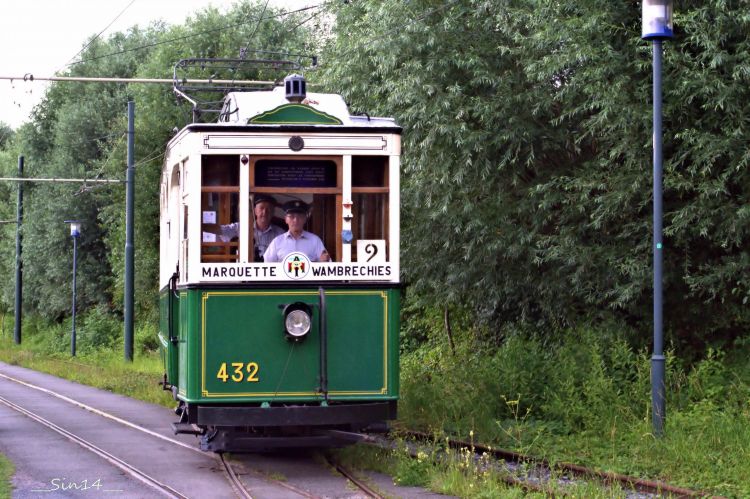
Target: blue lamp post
{"points": [[657, 26], [75, 231]]}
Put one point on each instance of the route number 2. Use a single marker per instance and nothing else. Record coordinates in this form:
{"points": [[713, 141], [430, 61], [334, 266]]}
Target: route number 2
{"points": [[238, 371]]}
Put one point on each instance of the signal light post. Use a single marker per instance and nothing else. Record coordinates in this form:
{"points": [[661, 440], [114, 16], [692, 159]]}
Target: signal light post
{"points": [[657, 26]]}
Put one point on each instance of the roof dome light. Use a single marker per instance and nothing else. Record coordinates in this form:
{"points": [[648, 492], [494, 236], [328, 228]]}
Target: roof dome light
{"points": [[296, 88]]}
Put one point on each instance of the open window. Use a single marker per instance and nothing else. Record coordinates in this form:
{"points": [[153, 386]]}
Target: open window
{"points": [[315, 181], [370, 190], [220, 195]]}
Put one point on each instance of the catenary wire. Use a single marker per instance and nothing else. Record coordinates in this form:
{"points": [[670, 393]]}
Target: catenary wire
{"points": [[186, 37], [98, 34], [257, 25]]}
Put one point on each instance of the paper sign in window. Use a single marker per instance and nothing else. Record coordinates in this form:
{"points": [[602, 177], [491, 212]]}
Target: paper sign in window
{"points": [[209, 217]]}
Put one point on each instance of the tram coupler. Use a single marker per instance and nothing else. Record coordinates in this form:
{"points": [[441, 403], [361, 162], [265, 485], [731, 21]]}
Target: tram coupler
{"points": [[187, 429]]}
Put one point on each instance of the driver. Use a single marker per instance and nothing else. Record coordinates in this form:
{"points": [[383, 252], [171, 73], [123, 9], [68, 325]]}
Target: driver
{"points": [[296, 238]]}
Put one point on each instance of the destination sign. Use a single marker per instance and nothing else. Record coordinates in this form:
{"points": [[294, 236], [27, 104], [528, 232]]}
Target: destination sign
{"points": [[299, 270]]}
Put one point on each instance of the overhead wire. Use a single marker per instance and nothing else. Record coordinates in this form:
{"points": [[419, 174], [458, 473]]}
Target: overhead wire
{"points": [[257, 25], [191, 35], [98, 34]]}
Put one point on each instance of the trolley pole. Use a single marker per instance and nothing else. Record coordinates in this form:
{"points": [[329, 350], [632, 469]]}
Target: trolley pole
{"points": [[19, 263], [129, 248]]}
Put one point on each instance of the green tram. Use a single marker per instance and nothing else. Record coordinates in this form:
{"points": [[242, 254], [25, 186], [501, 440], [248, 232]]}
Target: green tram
{"points": [[297, 349]]}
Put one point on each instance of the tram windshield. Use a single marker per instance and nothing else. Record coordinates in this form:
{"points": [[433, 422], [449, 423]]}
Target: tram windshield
{"points": [[346, 209]]}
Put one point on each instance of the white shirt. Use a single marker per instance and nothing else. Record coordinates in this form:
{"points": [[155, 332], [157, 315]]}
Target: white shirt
{"points": [[308, 243]]}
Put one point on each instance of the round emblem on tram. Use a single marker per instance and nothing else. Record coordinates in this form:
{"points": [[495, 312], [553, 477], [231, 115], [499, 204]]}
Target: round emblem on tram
{"points": [[296, 265], [296, 143]]}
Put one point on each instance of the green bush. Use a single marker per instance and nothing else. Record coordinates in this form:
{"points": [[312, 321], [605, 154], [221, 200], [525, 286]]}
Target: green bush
{"points": [[585, 396]]}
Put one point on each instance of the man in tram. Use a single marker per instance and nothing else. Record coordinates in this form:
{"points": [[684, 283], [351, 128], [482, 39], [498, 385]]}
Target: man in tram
{"points": [[296, 238], [263, 230]]}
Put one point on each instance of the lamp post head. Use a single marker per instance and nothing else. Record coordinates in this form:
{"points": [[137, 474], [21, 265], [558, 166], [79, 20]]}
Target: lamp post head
{"points": [[75, 227], [656, 20]]}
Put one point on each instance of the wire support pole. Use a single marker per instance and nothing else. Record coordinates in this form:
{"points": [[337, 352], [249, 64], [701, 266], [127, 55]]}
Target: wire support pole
{"points": [[129, 245], [18, 310], [75, 180], [658, 389]]}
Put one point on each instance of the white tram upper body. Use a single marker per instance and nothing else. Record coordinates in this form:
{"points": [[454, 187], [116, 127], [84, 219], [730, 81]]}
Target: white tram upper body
{"points": [[346, 168]]}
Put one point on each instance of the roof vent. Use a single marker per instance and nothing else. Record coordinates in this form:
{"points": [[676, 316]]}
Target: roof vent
{"points": [[296, 88]]}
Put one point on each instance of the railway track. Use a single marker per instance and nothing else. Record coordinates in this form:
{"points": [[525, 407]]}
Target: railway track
{"points": [[228, 467], [360, 484], [129, 469], [546, 472]]}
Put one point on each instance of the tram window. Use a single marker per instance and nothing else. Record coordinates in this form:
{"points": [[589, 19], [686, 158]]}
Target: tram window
{"points": [[322, 222], [220, 208], [369, 171], [370, 219], [370, 199], [315, 180]]}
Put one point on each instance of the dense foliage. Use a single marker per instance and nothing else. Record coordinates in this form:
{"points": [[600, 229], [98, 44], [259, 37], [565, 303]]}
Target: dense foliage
{"points": [[527, 141], [527, 155]]}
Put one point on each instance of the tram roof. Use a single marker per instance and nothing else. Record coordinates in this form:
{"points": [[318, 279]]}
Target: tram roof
{"points": [[270, 111], [273, 108]]}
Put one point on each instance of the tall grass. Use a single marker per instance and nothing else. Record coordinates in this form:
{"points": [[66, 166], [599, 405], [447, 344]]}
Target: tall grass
{"points": [[586, 398]]}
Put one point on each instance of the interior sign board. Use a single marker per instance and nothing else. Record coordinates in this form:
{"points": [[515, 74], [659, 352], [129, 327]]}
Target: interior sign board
{"points": [[295, 173]]}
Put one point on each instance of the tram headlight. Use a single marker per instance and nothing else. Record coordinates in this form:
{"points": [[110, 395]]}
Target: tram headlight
{"points": [[297, 320]]}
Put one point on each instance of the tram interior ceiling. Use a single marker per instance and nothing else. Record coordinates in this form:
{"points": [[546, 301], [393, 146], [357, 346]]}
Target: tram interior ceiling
{"points": [[316, 180]]}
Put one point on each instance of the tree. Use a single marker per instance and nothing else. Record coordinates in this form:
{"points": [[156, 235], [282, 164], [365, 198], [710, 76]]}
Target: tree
{"points": [[6, 135], [79, 131], [527, 189]]}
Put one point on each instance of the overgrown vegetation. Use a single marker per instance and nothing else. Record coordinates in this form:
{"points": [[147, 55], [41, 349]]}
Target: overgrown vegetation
{"points": [[584, 396], [460, 473]]}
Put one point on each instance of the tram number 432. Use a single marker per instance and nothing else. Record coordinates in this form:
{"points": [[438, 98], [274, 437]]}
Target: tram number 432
{"points": [[238, 372]]}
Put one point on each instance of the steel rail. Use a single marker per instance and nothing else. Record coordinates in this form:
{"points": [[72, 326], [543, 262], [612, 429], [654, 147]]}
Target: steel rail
{"points": [[637, 484], [110, 458], [237, 485], [134, 426], [360, 484]]}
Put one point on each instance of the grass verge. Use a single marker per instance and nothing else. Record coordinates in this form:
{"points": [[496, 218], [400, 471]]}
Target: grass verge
{"points": [[6, 473], [105, 369]]}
